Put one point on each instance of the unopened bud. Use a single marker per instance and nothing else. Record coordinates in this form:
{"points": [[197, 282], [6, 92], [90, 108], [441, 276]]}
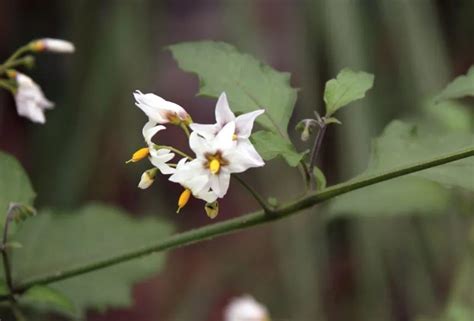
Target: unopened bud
{"points": [[148, 177], [52, 45], [212, 209], [306, 127]]}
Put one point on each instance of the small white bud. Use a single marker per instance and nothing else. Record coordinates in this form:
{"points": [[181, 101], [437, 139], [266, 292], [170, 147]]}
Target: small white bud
{"points": [[53, 45], [148, 177]]}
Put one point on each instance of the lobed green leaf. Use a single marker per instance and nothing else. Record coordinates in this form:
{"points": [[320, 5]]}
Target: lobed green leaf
{"points": [[460, 87]]}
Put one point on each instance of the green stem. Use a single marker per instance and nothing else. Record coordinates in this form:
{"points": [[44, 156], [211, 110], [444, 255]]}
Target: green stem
{"points": [[185, 129], [20, 51], [254, 193], [6, 85], [243, 222], [15, 63]]}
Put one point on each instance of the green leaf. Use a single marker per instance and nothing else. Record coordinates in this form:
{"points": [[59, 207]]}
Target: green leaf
{"points": [[320, 178], [422, 192], [460, 87], [348, 86], [56, 241], [15, 186], [270, 145], [248, 83], [45, 298]]}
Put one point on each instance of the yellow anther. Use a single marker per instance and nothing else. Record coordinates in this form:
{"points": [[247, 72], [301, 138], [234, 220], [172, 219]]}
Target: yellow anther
{"points": [[139, 155], [37, 46], [234, 137], [214, 166], [183, 199]]}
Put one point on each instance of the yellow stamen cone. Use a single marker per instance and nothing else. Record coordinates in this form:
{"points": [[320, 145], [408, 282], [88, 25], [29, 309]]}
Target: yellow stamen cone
{"points": [[183, 199], [139, 155], [214, 166]]}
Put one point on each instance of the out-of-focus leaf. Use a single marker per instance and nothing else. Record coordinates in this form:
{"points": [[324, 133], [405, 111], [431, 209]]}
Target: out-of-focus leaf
{"points": [[348, 86], [248, 83], [422, 192], [45, 298], [58, 241], [460, 87], [403, 143], [15, 186], [270, 145], [400, 196]]}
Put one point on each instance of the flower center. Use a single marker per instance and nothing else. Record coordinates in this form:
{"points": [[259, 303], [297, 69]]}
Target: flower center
{"points": [[214, 166], [215, 162]]}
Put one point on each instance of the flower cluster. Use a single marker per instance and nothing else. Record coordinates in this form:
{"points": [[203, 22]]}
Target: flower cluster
{"points": [[220, 149], [29, 98]]}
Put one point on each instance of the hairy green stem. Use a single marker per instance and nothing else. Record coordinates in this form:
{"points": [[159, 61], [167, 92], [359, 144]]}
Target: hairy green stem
{"points": [[15, 63], [315, 152], [243, 222]]}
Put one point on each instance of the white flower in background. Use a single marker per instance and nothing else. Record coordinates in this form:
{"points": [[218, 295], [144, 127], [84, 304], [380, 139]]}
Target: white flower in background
{"points": [[243, 126], [30, 100], [245, 308], [52, 45], [159, 110], [216, 159]]}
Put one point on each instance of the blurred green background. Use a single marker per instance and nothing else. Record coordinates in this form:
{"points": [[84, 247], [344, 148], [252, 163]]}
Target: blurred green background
{"points": [[303, 268]]}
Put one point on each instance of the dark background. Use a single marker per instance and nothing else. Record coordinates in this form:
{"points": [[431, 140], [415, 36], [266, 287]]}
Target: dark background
{"points": [[303, 268]]}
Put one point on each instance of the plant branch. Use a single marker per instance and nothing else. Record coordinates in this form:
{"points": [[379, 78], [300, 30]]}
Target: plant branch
{"points": [[15, 63], [245, 221], [6, 261]]}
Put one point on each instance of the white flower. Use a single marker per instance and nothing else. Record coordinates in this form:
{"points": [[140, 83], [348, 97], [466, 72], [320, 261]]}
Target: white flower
{"points": [[159, 110], [243, 126], [53, 45], [158, 157], [245, 308], [30, 100], [216, 159]]}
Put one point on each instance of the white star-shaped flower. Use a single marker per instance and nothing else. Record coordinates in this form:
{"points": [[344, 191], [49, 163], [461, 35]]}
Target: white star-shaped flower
{"points": [[30, 100], [158, 157], [245, 308], [243, 126], [216, 159], [160, 110]]}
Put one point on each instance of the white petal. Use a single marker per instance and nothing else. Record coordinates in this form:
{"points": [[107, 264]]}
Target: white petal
{"points": [[246, 148], [220, 183], [242, 158], [223, 112], [224, 139], [30, 100], [208, 196], [150, 129], [208, 131], [199, 145], [145, 180], [244, 123], [245, 308]]}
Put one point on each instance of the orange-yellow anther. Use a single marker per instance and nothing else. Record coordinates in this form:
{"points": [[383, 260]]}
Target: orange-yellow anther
{"points": [[234, 137], [139, 155], [183, 199], [37, 46], [214, 166]]}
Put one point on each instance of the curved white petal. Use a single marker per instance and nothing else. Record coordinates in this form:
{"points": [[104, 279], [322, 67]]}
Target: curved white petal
{"points": [[150, 129], [244, 123], [242, 158], [223, 113], [220, 183], [199, 145], [30, 100], [224, 139], [245, 308], [159, 158], [208, 131], [208, 196]]}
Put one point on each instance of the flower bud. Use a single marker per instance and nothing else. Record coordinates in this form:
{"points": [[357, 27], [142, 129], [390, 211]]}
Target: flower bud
{"points": [[52, 45], [212, 209], [148, 177], [306, 127]]}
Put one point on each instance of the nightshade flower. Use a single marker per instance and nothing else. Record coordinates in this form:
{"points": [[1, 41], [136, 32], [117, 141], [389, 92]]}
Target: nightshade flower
{"points": [[29, 98], [159, 110], [245, 308], [52, 45], [216, 159], [243, 126]]}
